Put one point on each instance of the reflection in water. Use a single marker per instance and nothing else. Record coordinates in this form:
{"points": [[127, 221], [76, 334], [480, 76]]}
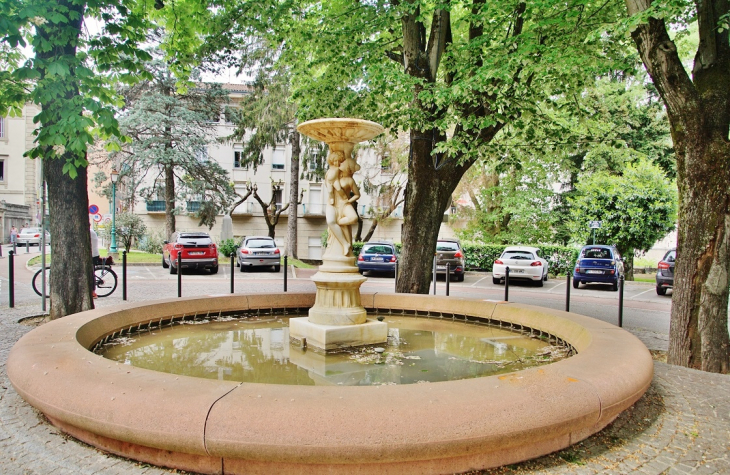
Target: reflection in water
{"points": [[256, 349]]}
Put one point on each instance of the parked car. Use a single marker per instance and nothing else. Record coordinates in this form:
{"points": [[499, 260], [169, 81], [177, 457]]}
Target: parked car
{"points": [[258, 251], [598, 263], [378, 256], [524, 263], [665, 272], [197, 251], [32, 236], [448, 251]]}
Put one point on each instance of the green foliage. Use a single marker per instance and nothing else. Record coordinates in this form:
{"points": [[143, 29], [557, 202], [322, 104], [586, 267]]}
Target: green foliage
{"points": [[152, 242], [129, 227], [228, 247], [636, 209]]}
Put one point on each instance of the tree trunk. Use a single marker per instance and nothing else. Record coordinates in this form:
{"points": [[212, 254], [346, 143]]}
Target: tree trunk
{"points": [[291, 225], [428, 193], [169, 201], [71, 279], [699, 116], [68, 204]]}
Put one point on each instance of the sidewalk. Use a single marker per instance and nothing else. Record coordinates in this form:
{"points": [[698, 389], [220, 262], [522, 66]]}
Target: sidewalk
{"points": [[681, 426]]}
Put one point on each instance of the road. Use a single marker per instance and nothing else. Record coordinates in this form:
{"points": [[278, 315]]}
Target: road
{"points": [[644, 310]]}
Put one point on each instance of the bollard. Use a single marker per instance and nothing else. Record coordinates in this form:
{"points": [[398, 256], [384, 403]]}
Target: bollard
{"points": [[567, 294], [233, 269], [27, 247], [434, 275], [506, 284], [15, 247], [124, 275], [179, 273], [448, 278], [621, 301], [1, 250], [395, 276], [286, 268], [11, 279]]}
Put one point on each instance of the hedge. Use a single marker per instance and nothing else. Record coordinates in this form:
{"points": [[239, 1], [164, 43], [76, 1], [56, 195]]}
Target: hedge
{"points": [[480, 256]]}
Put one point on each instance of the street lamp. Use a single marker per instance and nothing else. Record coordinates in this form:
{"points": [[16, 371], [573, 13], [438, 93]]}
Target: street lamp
{"points": [[115, 177]]}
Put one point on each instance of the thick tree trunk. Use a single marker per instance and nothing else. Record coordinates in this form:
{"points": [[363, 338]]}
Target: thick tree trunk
{"points": [[291, 225], [699, 115], [428, 193], [71, 278], [169, 200]]}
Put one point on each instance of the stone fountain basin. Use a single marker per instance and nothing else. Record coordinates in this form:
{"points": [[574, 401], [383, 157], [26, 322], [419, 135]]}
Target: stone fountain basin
{"points": [[213, 426]]}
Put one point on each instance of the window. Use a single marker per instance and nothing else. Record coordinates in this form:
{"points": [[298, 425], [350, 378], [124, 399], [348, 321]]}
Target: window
{"points": [[3, 125], [278, 198], [385, 164], [277, 159], [201, 155], [2, 170], [315, 200], [238, 159]]}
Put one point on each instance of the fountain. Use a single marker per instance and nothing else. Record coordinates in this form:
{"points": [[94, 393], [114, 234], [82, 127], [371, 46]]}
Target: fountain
{"points": [[338, 320], [218, 426]]}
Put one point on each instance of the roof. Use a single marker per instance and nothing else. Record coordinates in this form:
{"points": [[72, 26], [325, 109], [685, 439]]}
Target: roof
{"points": [[521, 248]]}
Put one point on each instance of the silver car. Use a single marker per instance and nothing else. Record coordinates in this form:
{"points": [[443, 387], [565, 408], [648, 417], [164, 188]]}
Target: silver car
{"points": [[258, 251], [32, 236]]}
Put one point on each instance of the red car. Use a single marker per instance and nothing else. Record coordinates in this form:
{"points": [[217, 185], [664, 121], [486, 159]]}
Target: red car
{"points": [[197, 251]]}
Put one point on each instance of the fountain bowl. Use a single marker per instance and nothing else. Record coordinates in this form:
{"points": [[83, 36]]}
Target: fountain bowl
{"points": [[216, 426]]}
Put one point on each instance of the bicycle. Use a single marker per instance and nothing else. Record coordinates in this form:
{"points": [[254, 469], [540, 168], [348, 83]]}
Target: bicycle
{"points": [[106, 280]]}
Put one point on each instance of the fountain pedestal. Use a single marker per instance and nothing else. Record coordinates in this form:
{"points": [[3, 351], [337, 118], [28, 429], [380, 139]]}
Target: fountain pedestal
{"points": [[338, 320]]}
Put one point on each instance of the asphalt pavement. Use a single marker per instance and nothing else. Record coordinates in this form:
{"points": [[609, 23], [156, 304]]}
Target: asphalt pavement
{"points": [[682, 424]]}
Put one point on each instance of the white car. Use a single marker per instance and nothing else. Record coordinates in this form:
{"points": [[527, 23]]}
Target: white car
{"points": [[523, 262], [32, 236]]}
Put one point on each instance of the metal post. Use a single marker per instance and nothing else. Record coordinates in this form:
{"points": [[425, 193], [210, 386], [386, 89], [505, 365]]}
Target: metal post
{"points": [[11, 279], [506, 284], [567, 292], [27, 247], [434, 275], [124, 275], [179, 273], [113, 245], [43, 236], [15, 247], [233, 268], [395, 277], [1, 250], [621, 301], [286, 268], [448, 278]]}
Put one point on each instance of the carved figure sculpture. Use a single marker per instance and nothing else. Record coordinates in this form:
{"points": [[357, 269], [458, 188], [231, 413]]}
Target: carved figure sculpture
{"points": [[334, 200]]}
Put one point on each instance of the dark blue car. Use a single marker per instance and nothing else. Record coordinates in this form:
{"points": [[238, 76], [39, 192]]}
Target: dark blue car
{"points": [[598, 263], [377, 257]]}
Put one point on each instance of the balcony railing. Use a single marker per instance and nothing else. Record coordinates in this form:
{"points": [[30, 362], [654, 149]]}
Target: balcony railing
{"points": [[313, 209], [156, 206]]}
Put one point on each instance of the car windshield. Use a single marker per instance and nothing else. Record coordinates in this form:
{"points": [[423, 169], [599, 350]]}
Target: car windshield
{"points": [[261, 244], [194, 239], [671, 256], [527, 255], [597, 253], [446, 246], [377, 249], [31, 230]]}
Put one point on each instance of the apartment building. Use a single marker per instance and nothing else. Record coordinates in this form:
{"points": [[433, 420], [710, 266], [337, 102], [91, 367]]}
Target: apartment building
{"points": [[248, 218], [20, 177]]}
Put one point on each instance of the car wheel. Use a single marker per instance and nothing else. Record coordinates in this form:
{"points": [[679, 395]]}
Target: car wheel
{"points": [[277, 268], [460, 278], [165, 265], [545, 277], [661, 290], [214, 270], [241, 268], [539, 283], [576, 284], [360, 271], [614, 286], [173, 270], [496, 280]]}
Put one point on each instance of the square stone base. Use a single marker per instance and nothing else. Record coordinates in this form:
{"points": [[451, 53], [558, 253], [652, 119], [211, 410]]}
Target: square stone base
{"points": [[335, 337]]}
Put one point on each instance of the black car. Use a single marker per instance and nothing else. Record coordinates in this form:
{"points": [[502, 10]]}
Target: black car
{"points": [[665, 272], [377, 257], [598, 263]]}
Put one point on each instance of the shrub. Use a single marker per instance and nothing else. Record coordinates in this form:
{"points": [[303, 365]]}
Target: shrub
{"points": [[152, 242], [481, 256], [228, 247]]}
